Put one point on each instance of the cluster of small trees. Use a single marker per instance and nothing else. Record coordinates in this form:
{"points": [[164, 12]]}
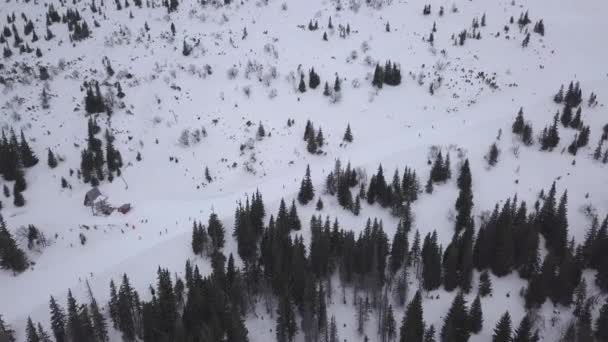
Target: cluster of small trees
{"points": [[549, 138], [597, 154], [15, 155], [539, 27], [522, 128], [18, 40], [92, 158], [339, 181], [426, 10], [314, 140], [398, 194], [440, 171], [389, 74], [11, 256], [249, 226], [93, 101]]}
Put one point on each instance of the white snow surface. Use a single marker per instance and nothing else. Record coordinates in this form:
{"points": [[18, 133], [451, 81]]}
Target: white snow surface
{"points": [[395, 126]]}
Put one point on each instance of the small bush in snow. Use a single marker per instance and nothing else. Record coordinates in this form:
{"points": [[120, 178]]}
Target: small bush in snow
{"points": [[247, 91], [233, 72]]}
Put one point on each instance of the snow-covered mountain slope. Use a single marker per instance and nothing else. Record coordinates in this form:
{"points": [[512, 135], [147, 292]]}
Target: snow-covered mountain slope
{"points": [[232, 81]]}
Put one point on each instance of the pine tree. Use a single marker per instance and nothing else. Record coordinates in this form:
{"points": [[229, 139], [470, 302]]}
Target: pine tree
{"points": [[58, 321], [216, 231], [311, 145], [26, 155], [566, 116], [357, 206], [261, 131], [390, 326], [302, 85], [326, 91], [313, 79], [294, 220], [52, 161], [455, 327], [113, 304], [126, 307], [485, 284], [319, 139], [429, 334], [502, 332], [378, 79], [412, 326], [307, 191], [74, 326], [11, 256], [42, 334], [286, 327], [6, 333], [493, 155], [431, 262], [476, 316], [518, 124], [30, 331], [319, 205], [523, 333], [601, 324], [348, 135], [100, 327]]}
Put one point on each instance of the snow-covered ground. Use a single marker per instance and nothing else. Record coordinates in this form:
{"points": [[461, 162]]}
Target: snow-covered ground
{"points": [[395, 127]]}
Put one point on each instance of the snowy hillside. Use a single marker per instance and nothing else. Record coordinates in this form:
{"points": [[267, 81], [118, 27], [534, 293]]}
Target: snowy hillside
{"points": [[162, 106]]}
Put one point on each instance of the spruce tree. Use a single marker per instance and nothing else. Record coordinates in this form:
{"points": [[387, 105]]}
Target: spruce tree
{"points": [[476, 316], [601, 324], [307, 192], [523, 333], [52, 161], [455, 327], [412, 326], [58, 321], [30, 331], [286, 326], [518, 124], [492, 156], [357, 206], [313, 79], [348, 135], [527, 135], [43, 335], [302, 85], [294, 220], [6, 333], [326, 91], [11, 256], [100, 328], [431, 262], [485, 284], [502, 332], [319, 205], [566, 116], [390, 326], [216, 231], [74, 325], [311, 145], [26, 155], [429, 334]]}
